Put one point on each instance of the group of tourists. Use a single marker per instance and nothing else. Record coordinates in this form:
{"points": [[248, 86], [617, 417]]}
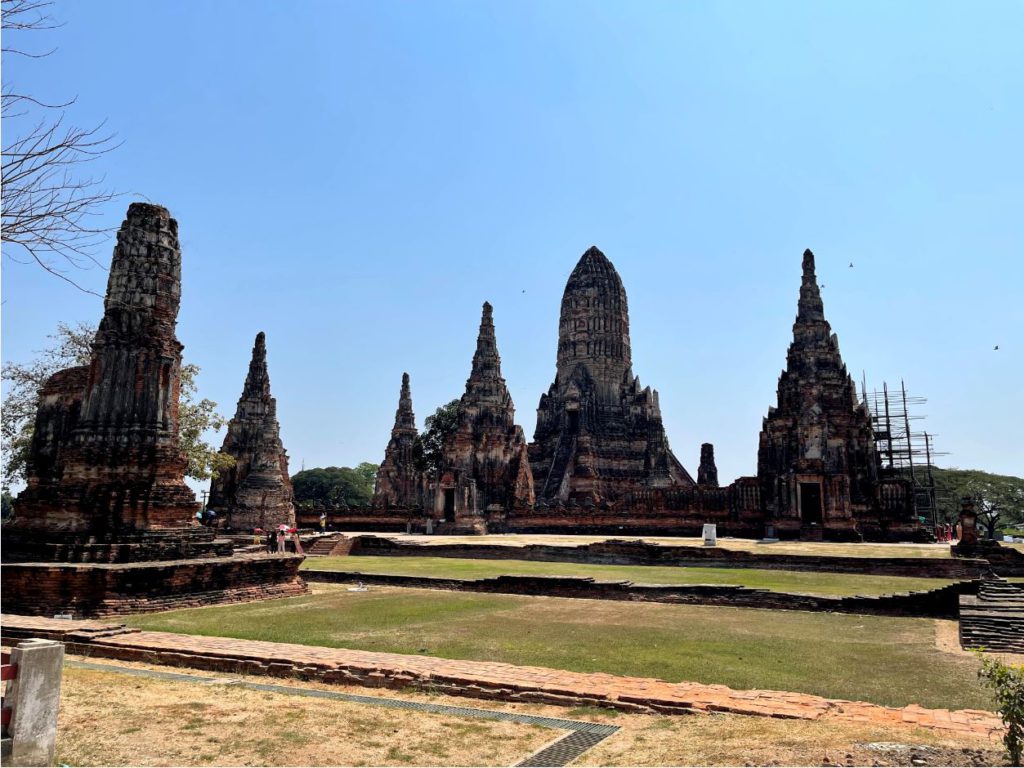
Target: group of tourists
{"points": [[277, 540], [947, 532]]}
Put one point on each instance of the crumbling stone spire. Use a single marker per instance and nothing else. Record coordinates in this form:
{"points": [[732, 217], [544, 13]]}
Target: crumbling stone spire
{"points": [[707, 472], [105, 456], [486, 391], [810, 307], [398, 481], [816, 460], [485, 462], [599, 434], [257, 491]]}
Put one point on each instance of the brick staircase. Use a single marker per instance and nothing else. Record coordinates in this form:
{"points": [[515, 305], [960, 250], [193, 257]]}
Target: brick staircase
{"points": [[331, 545], [994, 620]]}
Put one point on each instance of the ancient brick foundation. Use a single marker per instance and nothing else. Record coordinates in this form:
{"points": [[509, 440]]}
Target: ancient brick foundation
{"points": [[642, 553], [89, 589]]}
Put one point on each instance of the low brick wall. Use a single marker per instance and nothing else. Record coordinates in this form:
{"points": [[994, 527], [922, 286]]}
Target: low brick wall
{"points": [[87, 589], [616, 552], [941, 603], [172, 544], [481, 679]]}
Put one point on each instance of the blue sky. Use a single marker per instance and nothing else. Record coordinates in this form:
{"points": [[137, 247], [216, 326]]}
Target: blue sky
{"points": [[356, 178]]}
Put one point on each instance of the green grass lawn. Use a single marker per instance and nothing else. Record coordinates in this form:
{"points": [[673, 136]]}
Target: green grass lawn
{"points": [[809, 582], [891, 661]]}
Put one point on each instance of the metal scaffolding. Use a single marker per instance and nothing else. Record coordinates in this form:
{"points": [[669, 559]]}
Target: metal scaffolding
{"points": [[903, 451]]}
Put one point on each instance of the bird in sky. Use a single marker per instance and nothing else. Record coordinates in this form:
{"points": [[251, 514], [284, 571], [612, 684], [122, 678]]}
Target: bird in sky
{"points": [[851, 265], [995, 347]]}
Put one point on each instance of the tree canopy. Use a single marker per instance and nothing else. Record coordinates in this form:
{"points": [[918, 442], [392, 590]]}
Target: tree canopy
{"points": [[999, 499], [430, 442], [71, 345], [335, 486]]}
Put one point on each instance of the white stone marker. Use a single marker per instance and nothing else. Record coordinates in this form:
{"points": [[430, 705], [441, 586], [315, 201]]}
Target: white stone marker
{"points": [[34, 698], [710, 534]]}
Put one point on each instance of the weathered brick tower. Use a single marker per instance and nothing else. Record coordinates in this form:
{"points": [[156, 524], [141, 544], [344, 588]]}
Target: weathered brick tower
{"points": [[816, 462], [105, 454], [257, 491], [599, 434], [485, 468], [398, 481]]}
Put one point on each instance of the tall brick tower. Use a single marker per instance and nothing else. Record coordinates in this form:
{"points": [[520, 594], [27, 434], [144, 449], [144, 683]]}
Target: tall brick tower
{"points": [[257, 491], [105, 455], [599, 434], [816, 461], [485, 464], [398, 482]]}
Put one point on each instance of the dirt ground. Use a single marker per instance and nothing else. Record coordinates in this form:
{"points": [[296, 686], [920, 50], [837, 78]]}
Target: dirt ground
{"points": [[112, 719]]}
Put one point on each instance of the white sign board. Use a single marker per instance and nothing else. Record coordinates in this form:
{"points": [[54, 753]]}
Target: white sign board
{"points": [[710, 534]]}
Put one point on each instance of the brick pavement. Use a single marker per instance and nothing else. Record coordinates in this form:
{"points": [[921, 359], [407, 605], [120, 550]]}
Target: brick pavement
{"points": [[478, 679]]}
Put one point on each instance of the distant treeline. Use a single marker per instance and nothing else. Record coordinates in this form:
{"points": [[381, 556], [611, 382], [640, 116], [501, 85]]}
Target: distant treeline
{"points": [[335, 486]]}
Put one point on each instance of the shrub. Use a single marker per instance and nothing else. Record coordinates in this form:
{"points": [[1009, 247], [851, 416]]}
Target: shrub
{"points": [[1007, 682]]}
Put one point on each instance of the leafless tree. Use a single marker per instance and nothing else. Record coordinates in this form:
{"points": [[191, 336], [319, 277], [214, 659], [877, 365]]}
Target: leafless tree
{"points": [[49, 202]]}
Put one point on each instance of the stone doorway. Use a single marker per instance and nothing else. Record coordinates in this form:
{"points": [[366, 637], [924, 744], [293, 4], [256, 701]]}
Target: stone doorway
{"points": [[810, 503], [449, 505]]}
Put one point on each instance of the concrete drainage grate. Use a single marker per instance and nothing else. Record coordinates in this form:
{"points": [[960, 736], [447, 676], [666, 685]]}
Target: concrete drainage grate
{"points": [[583, 735]]}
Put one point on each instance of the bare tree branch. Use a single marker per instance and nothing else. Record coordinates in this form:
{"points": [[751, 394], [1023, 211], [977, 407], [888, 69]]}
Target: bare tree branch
{"points": [[48, 204]]}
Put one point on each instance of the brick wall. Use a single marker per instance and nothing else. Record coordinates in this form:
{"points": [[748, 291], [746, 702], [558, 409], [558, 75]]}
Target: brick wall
{"points": [[617, 552], [42, 589], [937, 603]]}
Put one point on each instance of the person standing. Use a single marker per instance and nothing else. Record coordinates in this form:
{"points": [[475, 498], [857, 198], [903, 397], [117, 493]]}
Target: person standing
{"points": [[282, 540], [272, 542], [323, 522]]}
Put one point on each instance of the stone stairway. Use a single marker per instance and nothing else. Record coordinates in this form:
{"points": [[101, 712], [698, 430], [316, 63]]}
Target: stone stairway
{"points": [[994, 620], [333, 544]]}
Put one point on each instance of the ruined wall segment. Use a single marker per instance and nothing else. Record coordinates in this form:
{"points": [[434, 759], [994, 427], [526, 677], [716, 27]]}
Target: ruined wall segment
{"points": [[599, 434], [485, 463], [107, 457], [398, 481], [257, 491]]}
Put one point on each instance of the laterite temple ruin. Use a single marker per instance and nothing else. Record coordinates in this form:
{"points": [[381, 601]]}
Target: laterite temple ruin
{"points": [[485, 463], [600, 461], [398, 481], [256, 492], [599, 434], [106, 471]]}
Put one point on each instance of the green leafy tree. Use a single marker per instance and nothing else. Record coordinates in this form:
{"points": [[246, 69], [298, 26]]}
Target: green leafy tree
{"points": [[1007, 683], [335, 486], [71, 345], [6, 504], [999, 499], [429, 447]]}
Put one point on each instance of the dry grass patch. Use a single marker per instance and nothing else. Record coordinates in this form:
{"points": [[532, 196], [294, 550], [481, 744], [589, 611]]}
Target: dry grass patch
{"points": [[111, 719]]}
